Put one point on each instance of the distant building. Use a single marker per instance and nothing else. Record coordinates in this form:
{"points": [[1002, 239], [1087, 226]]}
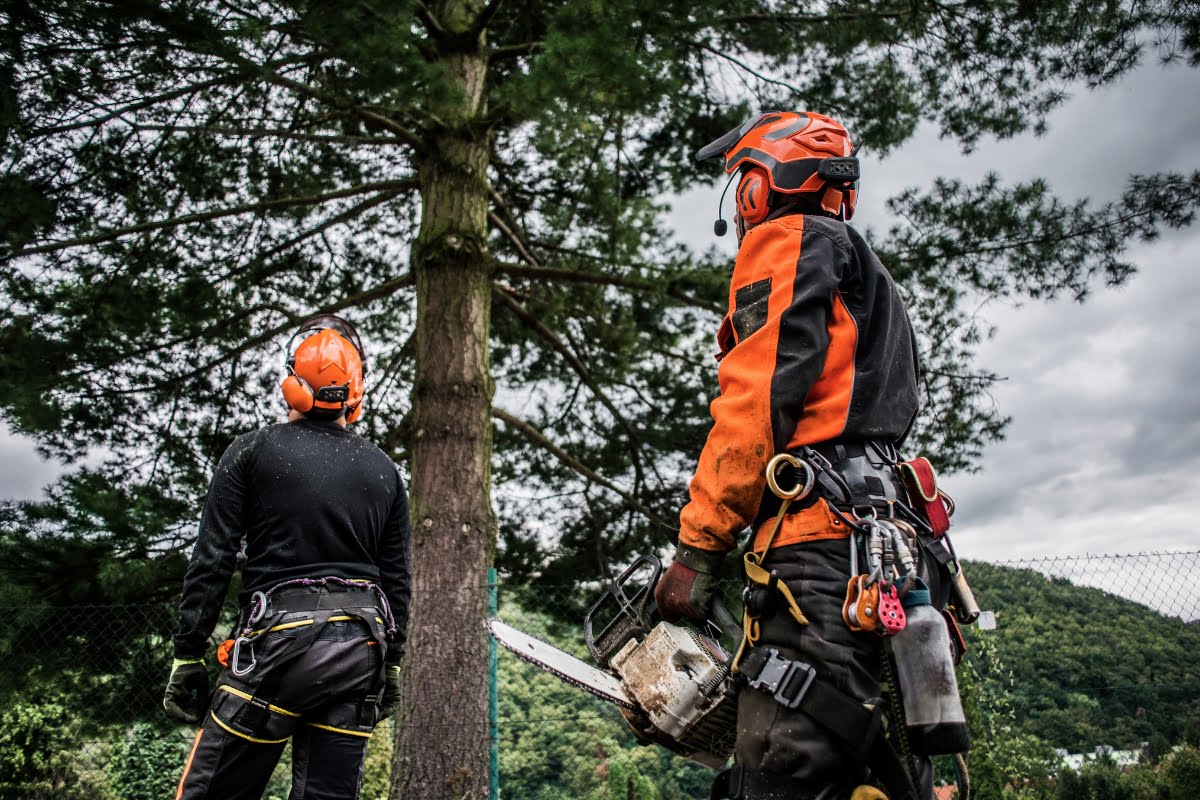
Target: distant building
{"points": [[1122, 758]]}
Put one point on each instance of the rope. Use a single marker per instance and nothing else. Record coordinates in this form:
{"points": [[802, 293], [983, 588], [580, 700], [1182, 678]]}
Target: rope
{"points": [[900, 728]]}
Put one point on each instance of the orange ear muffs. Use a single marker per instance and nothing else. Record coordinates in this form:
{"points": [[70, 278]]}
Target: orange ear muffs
{"points": [[353, 414], [298, 394], [752, 196]]}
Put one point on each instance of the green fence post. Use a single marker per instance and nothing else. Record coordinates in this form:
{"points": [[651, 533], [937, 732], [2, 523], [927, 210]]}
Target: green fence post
{"points": [[493, 698]]}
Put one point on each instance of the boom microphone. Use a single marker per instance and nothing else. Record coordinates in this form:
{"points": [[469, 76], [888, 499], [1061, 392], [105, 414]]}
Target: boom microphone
{"points": [[721, 227]]}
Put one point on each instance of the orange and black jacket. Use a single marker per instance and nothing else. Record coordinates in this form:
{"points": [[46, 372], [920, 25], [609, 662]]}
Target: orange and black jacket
{"points": [[816, 347]]}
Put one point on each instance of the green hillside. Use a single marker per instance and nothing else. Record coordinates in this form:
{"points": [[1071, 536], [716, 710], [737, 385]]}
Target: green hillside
{"points": [[1088, 667]]}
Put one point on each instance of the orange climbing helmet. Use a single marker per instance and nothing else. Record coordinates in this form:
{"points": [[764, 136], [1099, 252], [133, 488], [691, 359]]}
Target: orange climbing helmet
{"points": [[326, 369], [789, 153]]}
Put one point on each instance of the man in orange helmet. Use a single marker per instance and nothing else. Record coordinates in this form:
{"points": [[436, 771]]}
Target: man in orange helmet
{"points": [[817, 358], [316, 648]]}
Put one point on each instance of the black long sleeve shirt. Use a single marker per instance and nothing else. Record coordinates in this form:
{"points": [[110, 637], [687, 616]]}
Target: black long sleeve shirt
{"points": [[311, 500]]}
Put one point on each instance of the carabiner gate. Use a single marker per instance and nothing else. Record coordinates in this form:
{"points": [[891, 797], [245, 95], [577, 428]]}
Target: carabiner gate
{"points": [[235, 656]]}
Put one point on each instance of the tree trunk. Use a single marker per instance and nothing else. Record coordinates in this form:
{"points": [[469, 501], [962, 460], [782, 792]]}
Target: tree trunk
{"points": [[442, 742]]}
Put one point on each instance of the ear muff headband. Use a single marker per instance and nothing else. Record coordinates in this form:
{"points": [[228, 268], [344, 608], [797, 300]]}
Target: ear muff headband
{"points": [[753, 196], [332, 322]]}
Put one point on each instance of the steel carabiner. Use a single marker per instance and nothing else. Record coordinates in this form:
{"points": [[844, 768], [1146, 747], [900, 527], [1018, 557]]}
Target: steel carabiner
{"points": [[258, 608], [235, 656]]}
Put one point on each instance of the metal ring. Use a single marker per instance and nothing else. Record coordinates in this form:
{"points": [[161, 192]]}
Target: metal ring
{"points": [[799, 491], [258, 606], [873, 516]]}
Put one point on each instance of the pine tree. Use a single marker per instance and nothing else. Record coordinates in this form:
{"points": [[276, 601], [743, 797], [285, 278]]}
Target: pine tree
{"points": [[479, 185]]}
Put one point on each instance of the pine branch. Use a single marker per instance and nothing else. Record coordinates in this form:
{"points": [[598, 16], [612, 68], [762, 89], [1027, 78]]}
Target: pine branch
{"points": [[514, 50], [512, 237], [484, 19], [539, 439], [568, 354], [392, 187], [375, 293], [809, 19], [541, 273], [746, 67], [281, 133], [138, 106], [402, 133]]}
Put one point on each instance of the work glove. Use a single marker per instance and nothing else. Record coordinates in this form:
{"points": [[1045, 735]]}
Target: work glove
{"points": [[391, 692], [687, 588], [186, 697]]}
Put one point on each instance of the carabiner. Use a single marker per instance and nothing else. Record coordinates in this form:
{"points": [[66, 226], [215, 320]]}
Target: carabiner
{"points": [[235, 656], [258, 608], [800, 490]]}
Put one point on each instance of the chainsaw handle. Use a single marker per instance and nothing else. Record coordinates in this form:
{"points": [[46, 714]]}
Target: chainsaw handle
{"points": [[632, 615], [724, 620]]}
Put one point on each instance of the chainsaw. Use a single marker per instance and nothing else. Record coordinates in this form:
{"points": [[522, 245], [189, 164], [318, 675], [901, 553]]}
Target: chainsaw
{"points": [[671, 682]]}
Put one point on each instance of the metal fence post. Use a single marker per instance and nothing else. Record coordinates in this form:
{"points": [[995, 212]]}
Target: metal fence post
{"points": [[493, 698]]}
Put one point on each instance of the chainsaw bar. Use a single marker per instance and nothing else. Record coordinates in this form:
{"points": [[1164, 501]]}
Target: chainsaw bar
{"points": [[564, 666]]}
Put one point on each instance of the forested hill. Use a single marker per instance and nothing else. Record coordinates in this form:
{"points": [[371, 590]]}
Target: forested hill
{"points": [[1088, 667]]}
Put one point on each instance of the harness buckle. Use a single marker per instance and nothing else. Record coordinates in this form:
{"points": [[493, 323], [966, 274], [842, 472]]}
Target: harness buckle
{"points": [[778, 678]]}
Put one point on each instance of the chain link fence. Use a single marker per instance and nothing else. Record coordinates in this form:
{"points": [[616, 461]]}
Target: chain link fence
{"points": [[1093, 655]]}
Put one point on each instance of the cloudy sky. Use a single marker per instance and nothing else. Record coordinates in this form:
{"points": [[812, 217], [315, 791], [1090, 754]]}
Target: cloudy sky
{"points": [[1103, 455]]}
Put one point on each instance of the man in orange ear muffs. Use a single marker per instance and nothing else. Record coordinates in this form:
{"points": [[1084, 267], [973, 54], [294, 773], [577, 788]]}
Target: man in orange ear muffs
{"points": [[314, 656], [818, 359]]}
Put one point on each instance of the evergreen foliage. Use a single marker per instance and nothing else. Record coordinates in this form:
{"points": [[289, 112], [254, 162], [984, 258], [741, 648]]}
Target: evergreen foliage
{"points": [[36, 758], [184, 180], [1089, 668], [149, 765]]}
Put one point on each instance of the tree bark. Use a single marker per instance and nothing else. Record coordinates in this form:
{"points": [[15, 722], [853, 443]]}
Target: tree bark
{"points": [[442, 739]]}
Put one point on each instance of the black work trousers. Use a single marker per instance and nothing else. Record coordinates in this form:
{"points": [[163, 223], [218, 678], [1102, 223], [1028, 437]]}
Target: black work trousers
{"points": [[787, 755], [322, 699]]}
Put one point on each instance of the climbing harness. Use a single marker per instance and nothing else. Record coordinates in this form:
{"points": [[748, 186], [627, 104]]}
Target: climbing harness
{"points": [[889, 543], [260, 602], [753, 560], [254, 679]]}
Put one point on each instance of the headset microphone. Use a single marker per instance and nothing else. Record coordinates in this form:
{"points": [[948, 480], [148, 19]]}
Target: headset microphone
{"points": [[721, 227]]}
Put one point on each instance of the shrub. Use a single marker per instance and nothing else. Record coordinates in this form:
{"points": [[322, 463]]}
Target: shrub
{"points": [[37, 753], [150, 762]]}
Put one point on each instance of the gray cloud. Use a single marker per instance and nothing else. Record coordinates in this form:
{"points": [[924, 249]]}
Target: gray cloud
{"points": [[23, 473]]}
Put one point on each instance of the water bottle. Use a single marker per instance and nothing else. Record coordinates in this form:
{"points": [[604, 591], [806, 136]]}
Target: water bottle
{"points": [[925, 669]]}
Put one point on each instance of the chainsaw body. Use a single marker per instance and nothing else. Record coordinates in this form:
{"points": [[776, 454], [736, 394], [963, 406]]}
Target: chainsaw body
{"points": [[677, 676]]}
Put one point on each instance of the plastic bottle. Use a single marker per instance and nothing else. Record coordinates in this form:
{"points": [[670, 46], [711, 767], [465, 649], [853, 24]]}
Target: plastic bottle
{"points": [[925, 669]]}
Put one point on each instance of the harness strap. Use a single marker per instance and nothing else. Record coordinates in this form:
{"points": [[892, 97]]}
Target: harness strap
{"points": [[263, 684], [752, 563], [855, 727], [758, 575]]}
